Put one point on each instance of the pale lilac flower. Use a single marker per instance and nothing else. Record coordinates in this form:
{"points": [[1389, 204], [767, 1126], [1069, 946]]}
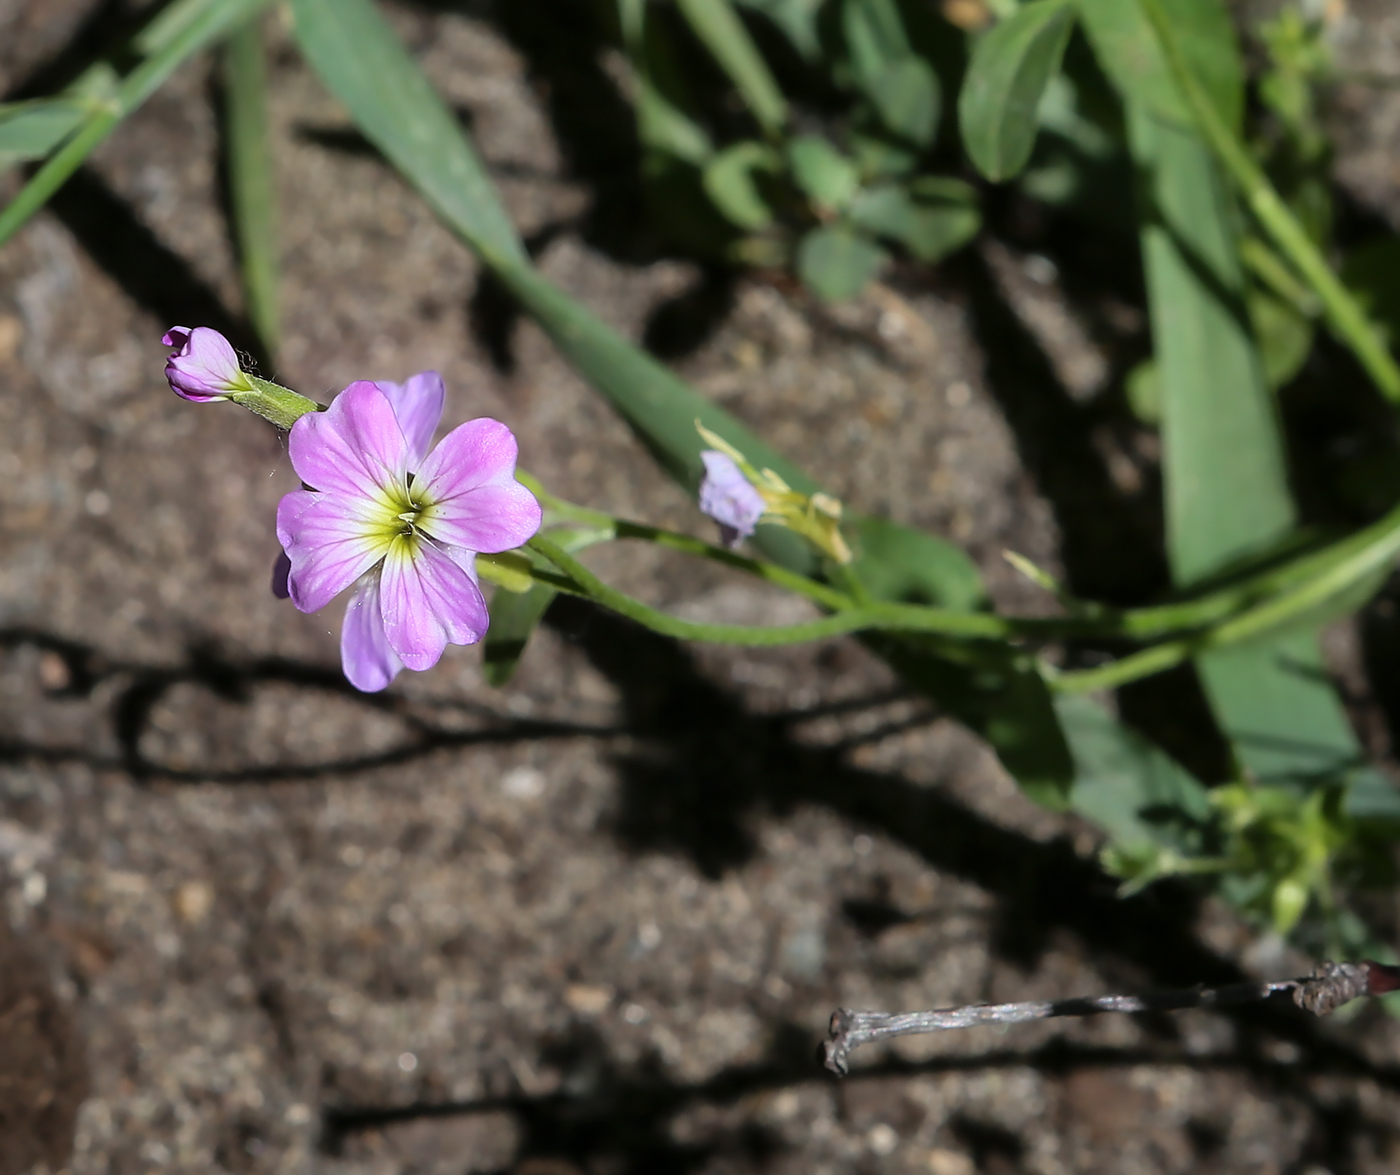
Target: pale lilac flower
{"points": [[204, 366], [728, 497], [401, 523]]}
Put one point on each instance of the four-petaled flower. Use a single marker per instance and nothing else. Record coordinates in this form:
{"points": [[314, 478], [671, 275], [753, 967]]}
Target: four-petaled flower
{"points": [[204, 366], [400, 522]]}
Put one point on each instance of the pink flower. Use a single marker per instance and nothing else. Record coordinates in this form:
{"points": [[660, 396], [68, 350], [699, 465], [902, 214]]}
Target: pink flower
{"points": [[728, 497], [204, 366], [401, 523]]}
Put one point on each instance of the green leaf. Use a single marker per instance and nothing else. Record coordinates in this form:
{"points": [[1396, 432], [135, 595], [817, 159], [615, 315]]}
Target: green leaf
{"points": [[911, 567], [835, 262], [878, 158], [929, 228], [1006, 79], [905, 95], [902, 86], [1143, 387], [357, 55], [875, 36], [729, 180], [30, 130], [1133, 790], [514, 618], [251, 181], [827, 177], [717, 24], [1284, 335], [1128, 51], [1227, 493]]}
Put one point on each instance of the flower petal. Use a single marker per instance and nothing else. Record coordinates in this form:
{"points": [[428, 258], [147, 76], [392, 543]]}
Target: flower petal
{"points": [[325, 538], [727, 496], [354, 447], [204, 366], [470, 480], [428, 600], [368, 661], [417, 404]]}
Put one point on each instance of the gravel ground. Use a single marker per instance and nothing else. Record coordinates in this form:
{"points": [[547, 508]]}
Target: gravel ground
{"points": [[593, 923]]}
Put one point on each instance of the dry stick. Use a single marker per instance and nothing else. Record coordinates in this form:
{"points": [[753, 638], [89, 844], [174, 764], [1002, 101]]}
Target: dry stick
{"points": [[1329, 987]]}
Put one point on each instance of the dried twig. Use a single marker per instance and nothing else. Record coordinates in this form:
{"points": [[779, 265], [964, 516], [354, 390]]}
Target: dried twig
{"points": [[1327, 988]]}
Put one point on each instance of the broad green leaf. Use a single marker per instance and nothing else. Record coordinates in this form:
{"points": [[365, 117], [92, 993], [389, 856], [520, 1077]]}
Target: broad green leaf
{"points": [[1002, 698], [1000, 695], [30, 130], [717, 24], [1227, 493], [252, 185], [1006, 79], [1133, 790], [827, 177], [929, 228], [729, 180], [911, 567], [514, 618], [1226, 487], [905, 95], [357, 55], [835, 261], [1127, 50]]}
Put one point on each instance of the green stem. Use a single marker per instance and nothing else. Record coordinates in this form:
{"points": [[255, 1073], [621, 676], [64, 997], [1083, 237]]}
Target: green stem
{"points": [[1343, 313], [1273, 614], [886, 617]]}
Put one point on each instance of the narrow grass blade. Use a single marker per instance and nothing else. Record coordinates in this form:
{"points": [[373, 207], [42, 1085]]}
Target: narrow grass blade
{"points": [[252, 186], [717, 24]]}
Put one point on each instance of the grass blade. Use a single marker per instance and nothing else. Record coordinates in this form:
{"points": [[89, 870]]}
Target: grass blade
{"points": [[251, 180], [717, 24]]}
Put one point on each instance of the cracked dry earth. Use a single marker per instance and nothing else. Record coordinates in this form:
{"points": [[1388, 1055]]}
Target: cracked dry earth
{"points": [[594, 922]]}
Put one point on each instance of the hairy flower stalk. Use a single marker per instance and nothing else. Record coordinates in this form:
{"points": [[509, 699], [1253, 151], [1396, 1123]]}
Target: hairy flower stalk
{"points": [[400, 522]]}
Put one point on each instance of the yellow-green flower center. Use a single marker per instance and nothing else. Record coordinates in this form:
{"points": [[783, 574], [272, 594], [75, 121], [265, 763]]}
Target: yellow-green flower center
{"points": [[397, 517]]}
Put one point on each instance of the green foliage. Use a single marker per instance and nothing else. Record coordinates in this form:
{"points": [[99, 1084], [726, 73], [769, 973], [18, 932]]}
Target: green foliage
{"points": [[514, 618], [826, 177], [1130, 53], [1006, 81], [930, 218], [731, 179], [835, 262]]}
